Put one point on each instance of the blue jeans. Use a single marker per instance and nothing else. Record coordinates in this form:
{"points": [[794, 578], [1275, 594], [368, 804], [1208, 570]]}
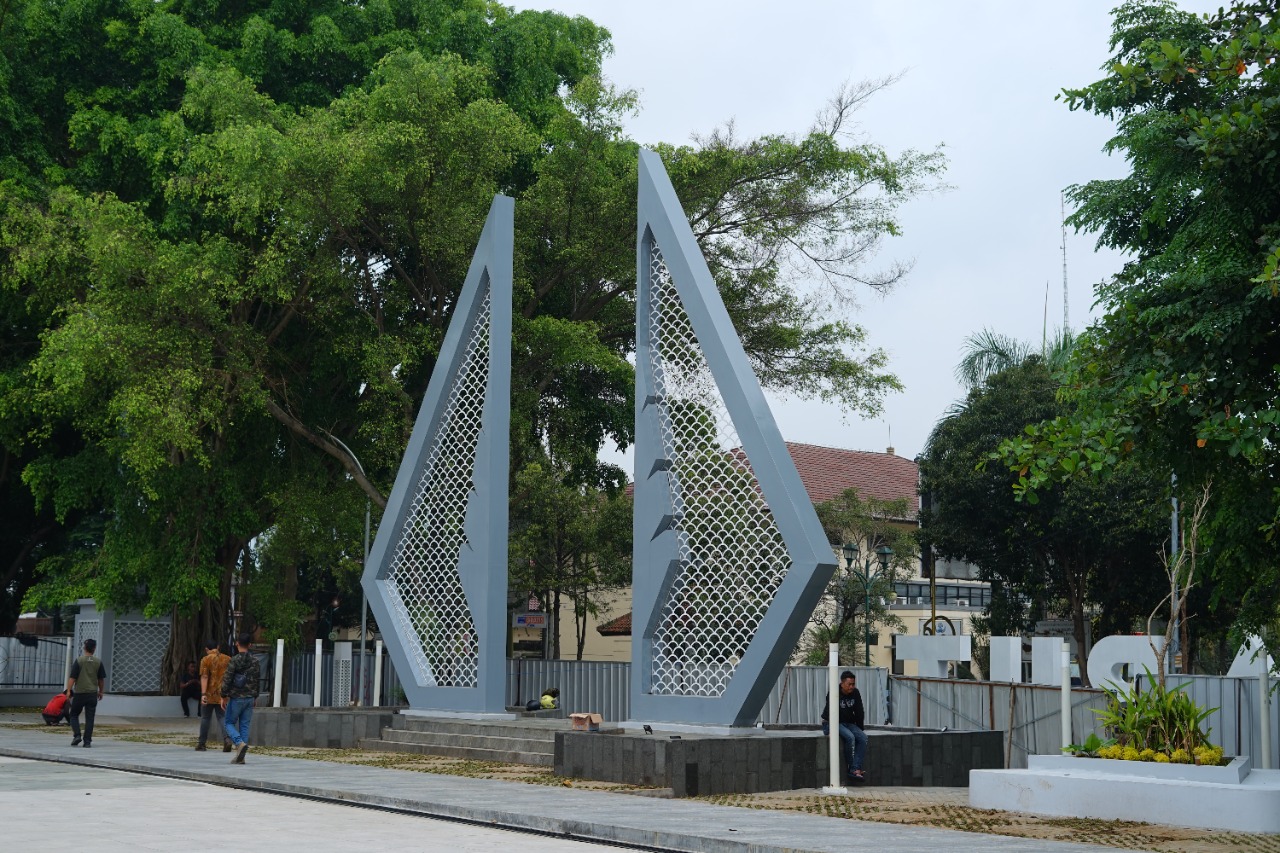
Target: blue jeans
{"points": [[854, 741], [239, 714]]}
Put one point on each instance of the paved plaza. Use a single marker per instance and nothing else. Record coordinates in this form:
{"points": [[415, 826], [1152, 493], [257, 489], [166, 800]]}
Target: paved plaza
{"points": [[178, 786], [62, 807]]}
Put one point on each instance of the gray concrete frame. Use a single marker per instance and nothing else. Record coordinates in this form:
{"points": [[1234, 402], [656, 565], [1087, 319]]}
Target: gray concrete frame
{"points": [[482, 561], [656, 560]]}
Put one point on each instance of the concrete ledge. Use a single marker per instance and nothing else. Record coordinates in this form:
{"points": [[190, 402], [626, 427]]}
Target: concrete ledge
{"points": [[321, 728], [1081, 787]]}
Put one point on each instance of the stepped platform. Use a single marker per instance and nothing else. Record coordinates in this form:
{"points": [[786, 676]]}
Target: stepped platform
{"points": [[524, 740]]}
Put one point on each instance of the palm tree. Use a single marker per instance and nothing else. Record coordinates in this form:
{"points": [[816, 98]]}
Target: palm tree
{"points": [[986, 353]]}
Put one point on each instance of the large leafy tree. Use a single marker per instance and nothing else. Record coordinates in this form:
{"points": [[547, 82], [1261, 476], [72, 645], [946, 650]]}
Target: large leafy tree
{"points": [[1089, 545], [233, 235], [858, 597], [1183, 369]]}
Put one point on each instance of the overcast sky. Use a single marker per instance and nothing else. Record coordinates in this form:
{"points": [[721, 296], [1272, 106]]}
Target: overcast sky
{"points": [[980, 80]]}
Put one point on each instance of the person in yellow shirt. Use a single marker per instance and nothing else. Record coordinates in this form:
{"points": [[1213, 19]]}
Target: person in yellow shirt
{"points": [[212, 667]]}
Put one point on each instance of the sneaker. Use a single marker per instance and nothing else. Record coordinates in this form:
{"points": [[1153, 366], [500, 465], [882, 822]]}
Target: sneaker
{"points": [[239, 759], [75, 741], [87, 744], [226, 745], [201, 747]]}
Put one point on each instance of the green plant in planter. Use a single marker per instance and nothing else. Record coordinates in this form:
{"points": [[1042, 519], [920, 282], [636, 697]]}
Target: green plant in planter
{"points": [[1163, 720], [1091, 748]]}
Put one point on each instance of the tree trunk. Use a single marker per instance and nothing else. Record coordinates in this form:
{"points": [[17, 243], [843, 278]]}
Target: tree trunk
{"points": [[189, 632], [187, 636], [1075, 585], [289, 592]]}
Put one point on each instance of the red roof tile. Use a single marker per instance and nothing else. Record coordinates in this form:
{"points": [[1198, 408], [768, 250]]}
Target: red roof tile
{"points": [[620, 627], [827, 471]]}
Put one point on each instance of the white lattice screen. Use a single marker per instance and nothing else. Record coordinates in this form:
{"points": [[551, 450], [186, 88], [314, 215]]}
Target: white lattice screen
{"points": [[426, 593], [86, 629], [733, 557], [137, 649]]}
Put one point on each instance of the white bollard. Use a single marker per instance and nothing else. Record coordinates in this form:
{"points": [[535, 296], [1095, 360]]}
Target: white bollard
{"points": [[71, 656], [279, 671], [315, 701], [833, 719], [1264, 707], [1066, 695], [377, 673]]}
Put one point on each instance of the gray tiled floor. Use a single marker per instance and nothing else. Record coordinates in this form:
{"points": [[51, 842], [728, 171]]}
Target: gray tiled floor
{"points": [[589, 815]]}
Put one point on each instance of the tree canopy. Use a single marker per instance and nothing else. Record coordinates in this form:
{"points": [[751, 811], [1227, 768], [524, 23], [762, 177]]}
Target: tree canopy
{"points": [[232, 235], [1182, 370], [1085, 546]]}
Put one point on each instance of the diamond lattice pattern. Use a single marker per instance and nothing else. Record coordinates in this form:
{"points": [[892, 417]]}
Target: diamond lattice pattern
{"points": [[426, 594], [732, 555], [137, 649]]}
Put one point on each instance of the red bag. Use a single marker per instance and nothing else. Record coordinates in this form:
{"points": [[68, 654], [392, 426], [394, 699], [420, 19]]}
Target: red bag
{"points": [[56, 705]]}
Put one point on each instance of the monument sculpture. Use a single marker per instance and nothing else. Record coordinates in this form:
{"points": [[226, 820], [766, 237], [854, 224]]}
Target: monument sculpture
{"points": [[437, 573], [729, 557]]}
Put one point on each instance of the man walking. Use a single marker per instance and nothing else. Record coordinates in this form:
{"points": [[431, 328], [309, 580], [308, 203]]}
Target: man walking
{"points": [[852, 736], [239, 690], [85, 684], [212, 667]]}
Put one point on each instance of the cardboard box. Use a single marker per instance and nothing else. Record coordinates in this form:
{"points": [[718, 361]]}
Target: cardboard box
{"points": [[585, 722]]}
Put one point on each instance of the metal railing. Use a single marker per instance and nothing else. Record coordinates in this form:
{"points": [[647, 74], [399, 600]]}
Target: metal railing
{"points": [[33, 662]]}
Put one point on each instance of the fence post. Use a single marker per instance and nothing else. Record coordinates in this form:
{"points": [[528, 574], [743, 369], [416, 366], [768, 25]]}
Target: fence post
{"points": [[70, 656], [833, 720], [1264, 709], [1066, 695], [377, 672], [315, 702], [279, 671]]}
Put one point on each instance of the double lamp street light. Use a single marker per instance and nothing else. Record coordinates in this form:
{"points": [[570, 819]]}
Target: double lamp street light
{"points": [[866, 577]]}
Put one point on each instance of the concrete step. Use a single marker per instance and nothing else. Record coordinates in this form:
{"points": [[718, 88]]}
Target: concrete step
{"points": [[504, 756], [471, 741], [532, 729]]}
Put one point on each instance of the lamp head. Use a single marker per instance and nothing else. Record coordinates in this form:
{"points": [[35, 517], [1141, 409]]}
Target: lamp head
{"points": [[885, 553], [850, 552]]}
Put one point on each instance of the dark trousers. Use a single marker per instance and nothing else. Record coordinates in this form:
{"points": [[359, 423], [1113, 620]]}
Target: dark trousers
{"points": [[89, 703], [192, 692], [206, 714]]}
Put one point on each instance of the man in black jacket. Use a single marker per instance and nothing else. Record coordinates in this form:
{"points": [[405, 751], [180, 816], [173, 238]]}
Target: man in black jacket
{"points": [[852, 737]]}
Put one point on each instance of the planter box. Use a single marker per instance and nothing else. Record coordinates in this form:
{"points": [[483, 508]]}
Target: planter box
{"points": [[1232, 774], [1234, 797]]}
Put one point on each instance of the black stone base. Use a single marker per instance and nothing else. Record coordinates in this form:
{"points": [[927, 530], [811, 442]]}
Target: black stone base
{"points": [[322, 728], [757, 760]]}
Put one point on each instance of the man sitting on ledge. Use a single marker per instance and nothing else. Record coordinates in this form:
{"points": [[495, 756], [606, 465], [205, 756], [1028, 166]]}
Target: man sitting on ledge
{"points": [[852, 737]]}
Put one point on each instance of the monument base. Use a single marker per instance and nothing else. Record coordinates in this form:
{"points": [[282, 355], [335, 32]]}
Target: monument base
{"points": [[757, 760]]}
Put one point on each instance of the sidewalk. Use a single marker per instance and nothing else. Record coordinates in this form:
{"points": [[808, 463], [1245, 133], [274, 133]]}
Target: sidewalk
{"points": [[684, 825]]}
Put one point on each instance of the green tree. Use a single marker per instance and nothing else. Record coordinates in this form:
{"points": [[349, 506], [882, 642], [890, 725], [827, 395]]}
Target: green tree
{"points": [[1093, 543], [1180, 371], [852, 608], [568, 542], [231, 233]]}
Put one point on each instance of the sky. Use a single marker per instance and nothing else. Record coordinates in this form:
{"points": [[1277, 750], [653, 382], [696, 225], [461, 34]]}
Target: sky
{"points": [[980, 81]]}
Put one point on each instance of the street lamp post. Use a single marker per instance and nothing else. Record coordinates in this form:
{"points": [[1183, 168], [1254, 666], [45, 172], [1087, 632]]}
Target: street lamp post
{"points": [[364, 598], [866, 576]]}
